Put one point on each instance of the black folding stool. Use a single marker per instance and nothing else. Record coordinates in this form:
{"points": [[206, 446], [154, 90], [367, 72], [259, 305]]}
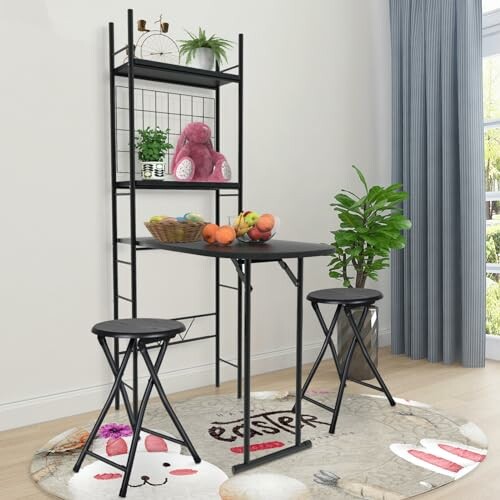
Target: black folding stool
{"points": [[140, 332], [347, 299]]}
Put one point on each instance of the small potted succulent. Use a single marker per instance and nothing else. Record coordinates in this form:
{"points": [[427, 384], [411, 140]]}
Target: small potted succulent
{"points": [[201, 51], [152, 145], [371, 226]]}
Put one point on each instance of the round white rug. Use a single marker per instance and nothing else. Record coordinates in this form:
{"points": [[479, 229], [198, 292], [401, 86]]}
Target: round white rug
{"points": [[378, 452]]}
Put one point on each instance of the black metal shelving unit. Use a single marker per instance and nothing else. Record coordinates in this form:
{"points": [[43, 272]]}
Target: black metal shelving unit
{"points": [[161, 73]]}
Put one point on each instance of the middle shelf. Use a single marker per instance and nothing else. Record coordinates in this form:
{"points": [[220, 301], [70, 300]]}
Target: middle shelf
{"points": [[179, 185]]}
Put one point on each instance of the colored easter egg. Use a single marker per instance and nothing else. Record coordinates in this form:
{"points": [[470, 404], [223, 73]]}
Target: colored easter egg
{"points": [[194, 217], [157, 218]]}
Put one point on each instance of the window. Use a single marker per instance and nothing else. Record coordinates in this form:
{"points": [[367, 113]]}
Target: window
{"points": [[491, 108]]}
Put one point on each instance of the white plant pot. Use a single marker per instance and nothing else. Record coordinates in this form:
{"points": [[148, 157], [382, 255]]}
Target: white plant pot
{"points": [[203, 59], [153, 170]]}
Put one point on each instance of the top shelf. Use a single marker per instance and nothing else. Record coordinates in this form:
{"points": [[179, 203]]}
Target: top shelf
{"points": [[177, 74]]}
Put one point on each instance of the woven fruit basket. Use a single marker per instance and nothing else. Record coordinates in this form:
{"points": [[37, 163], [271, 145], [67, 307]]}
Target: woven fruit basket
{"points": [[173, 231]]}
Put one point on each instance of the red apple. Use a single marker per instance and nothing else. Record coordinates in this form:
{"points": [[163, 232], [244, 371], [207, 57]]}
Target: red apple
{"points": [[254, 234], [266, 236]]}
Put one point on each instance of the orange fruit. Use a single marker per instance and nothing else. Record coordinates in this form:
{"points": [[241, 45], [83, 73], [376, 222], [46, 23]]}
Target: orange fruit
{"points": [[265, 223], [209, 232], [225, 235]]}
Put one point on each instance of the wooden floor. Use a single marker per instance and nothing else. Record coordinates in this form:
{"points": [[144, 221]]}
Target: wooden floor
{"points": [[470, 393]]}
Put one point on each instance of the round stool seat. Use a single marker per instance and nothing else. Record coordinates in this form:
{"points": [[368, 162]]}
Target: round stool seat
{"points": [[348, 296], [139, 328]]}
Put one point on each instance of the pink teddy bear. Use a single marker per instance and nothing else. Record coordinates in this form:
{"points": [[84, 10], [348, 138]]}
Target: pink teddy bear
{"points": [[195, 158]]}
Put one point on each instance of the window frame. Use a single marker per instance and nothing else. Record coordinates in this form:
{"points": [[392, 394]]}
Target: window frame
{"points": [[491, 46]]}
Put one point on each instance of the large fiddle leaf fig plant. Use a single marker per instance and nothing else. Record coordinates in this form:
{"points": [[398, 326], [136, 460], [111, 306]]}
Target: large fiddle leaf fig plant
{"points": [[371, 226]]}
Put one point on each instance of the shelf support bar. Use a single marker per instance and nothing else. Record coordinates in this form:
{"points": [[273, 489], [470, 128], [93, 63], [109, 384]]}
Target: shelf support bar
{"points": [[116, 52]]}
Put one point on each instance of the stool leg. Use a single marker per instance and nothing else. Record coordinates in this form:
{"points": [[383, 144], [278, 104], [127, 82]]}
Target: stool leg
{"points": [[329, 331], [343, 381], [105, 409], [116, 364], [114, 369], [345, 372], [135, 382], [328, 338], [366, 354], [139, 419], [166, 404]]}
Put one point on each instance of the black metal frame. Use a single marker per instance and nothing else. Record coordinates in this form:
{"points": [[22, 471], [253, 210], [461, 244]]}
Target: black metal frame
{"points": [[166, 73], [343, 372], [245, 279], [135, 415]]}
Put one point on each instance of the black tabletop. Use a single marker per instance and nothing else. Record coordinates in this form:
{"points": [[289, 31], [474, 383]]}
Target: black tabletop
{"points": [[272, 250]]}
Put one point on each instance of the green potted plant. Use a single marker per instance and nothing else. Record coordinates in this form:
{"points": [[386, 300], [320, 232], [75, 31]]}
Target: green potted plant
{"points": [[371, 226], [202, 51], [152, 145]]}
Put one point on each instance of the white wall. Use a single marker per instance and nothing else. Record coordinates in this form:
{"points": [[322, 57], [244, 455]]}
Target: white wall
{"points": [[316, 101]]}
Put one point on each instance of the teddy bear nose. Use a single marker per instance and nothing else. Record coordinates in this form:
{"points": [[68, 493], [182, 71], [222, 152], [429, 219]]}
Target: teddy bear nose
{"points": [[145, 478]]}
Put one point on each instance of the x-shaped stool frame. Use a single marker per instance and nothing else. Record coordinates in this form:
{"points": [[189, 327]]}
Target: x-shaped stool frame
{"points": [[135, 419], [343, 372]]}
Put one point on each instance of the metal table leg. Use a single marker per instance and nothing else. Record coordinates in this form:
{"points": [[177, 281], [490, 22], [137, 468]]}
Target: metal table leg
{"points": [[299, 445], [246, 362], [240, 336], [298, 352]]}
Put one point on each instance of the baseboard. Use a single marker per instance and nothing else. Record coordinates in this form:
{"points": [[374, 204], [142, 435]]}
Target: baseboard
{"points": [[384, 338], [65, 404]]}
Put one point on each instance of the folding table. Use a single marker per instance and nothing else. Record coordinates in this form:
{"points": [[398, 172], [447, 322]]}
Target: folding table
{"points": [[242, 256]]}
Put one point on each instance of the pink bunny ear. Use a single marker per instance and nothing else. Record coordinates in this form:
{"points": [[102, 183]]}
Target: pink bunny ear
{"points": [[180, 142], [116, 447], [155, 444]]}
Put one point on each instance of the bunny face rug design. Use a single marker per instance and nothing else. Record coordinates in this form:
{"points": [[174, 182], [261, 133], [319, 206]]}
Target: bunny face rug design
{"points": [[157, 473]]}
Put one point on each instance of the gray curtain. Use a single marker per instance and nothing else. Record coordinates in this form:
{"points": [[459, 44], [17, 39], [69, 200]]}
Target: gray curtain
{"points": [[438, 281]]}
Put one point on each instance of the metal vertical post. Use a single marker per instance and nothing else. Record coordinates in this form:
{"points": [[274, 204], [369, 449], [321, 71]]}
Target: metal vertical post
{"points": [[240, 198], [114, 226], [240, 123], [247, 338], [298, 373], [133, 251], [131, 116], [240, 332], [217, 261]]}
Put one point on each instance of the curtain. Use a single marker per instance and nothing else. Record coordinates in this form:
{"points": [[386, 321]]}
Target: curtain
{"points": [[439, 280]]}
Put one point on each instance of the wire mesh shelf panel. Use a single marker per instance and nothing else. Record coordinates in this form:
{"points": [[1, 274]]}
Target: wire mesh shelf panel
{"points": [[166, 109]]}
